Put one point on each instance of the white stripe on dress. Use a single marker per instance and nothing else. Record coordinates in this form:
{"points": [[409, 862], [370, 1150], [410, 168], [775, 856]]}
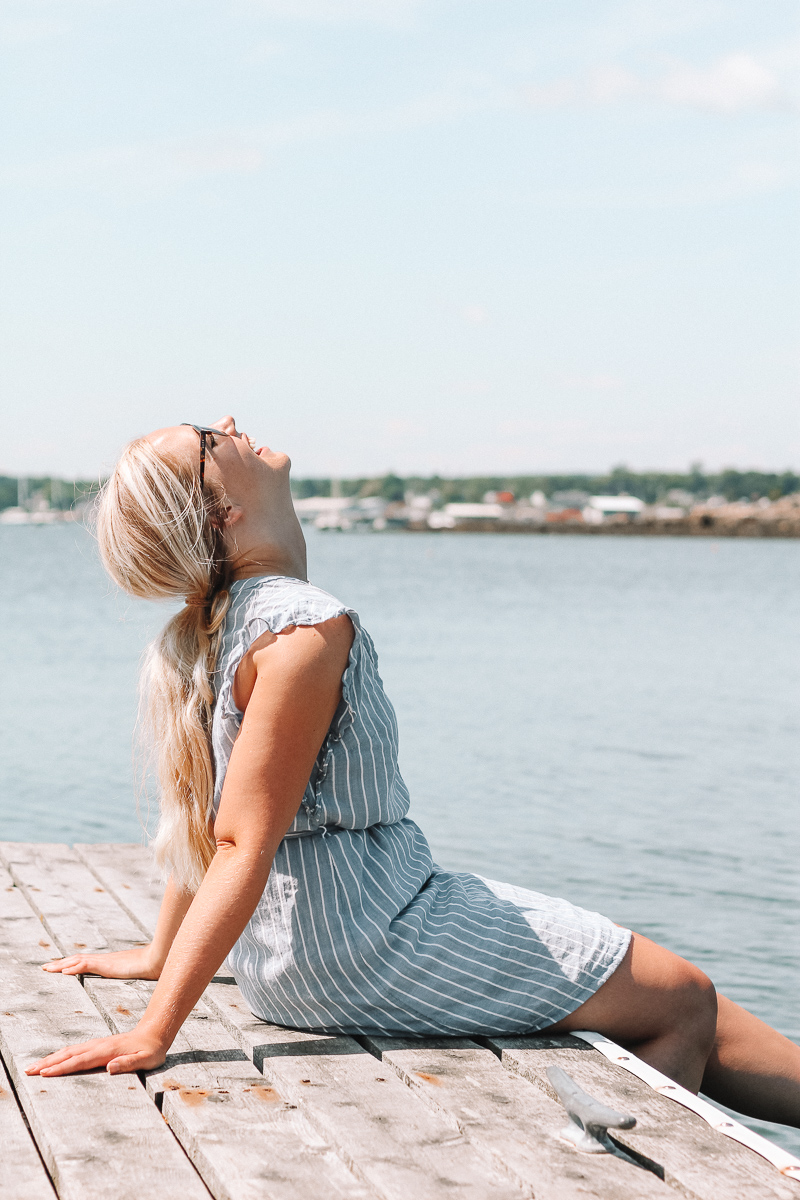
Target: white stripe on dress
{"points": [[358, 930]]}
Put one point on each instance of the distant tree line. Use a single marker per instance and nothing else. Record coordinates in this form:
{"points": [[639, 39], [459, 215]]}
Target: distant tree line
{"points": [[650, 486], [59, 493]]}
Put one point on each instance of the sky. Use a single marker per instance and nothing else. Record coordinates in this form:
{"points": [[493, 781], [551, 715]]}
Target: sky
{"points": [[454, 236]]}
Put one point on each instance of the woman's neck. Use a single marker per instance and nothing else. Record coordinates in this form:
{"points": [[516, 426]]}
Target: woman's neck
{"points": [[286, 557], [255, 569], [266, 537]]}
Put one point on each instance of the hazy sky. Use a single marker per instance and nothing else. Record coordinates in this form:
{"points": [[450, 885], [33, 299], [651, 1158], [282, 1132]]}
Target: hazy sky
{"points": [[454, 235]]}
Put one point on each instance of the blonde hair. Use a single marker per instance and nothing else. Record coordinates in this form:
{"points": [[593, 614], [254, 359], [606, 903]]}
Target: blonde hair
{"points": [[160, 536]]}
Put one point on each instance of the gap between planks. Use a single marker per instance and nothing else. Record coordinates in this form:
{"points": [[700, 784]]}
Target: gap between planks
{"points": [[76, 1120], [546, 1164], [211, 1095], [390, 1144], [549, 1167], [125, 876], [696, 1160], [23, 1171]]}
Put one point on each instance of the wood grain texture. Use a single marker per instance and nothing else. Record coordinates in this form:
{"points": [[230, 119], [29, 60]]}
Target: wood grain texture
{"points": [[377, 1125], [394, 1144], [76, 912], [75, 908], [128, 873], [695, 1157], [243, 1138], [249, 1144], [22, 1175], [334, 1087], [99, 1135], [511, 1120]]}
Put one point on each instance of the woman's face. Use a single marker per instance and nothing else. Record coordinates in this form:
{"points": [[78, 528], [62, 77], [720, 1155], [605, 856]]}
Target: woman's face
{"points": [[248, 474], [261, 528]]}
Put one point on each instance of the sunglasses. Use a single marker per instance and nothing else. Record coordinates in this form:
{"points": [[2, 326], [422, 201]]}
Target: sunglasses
{"points": [[207, 438]]}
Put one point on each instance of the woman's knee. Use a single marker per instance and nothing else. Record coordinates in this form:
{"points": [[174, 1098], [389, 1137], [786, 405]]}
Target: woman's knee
{"points": [[686, 998], [652, 994], [696, 1006]]}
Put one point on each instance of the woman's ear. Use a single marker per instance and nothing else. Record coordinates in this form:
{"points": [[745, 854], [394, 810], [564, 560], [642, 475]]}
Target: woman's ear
{"points": [[231, 513]]}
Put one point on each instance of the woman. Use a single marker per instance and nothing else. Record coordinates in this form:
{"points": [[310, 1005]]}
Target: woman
{"points": [[283, 820]]}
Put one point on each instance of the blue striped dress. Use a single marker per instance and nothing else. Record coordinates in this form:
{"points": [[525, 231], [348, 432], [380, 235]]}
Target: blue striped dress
{"points": [[358, 929]]}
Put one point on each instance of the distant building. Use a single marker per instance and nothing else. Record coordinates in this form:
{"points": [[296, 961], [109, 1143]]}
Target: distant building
{"points": [[599, 508], [666, 512], [474, 512], [564, 516], [318, 506], [347, 512], [40, 516], [453, 515], [441, 520], [418, 505], [498, 497]]}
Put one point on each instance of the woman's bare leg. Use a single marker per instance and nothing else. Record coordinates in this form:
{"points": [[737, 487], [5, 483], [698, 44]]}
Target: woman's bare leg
{"points": [[753, 1068], [659, 1005], [666, 1010]]}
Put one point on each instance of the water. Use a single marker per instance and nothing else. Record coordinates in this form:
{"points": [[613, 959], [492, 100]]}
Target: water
{"points": [[614, 720]]}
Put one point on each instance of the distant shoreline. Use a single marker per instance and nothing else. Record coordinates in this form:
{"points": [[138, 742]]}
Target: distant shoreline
{"points": [[747, 527], [614, 516], [703, 525]]}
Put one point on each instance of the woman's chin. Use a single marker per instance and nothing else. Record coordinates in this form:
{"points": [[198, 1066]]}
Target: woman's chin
{"points": [[276, 458]]}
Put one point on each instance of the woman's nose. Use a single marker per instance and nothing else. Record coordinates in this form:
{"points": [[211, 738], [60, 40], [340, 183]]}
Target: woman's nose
{"points": [[226, 425]]}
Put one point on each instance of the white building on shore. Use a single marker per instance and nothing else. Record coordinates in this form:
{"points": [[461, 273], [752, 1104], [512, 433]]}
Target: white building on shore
{"points": [[599, 508]]}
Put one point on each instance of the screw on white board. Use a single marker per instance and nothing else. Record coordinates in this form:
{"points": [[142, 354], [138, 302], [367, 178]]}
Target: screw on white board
{"points": [[785, 1162]]}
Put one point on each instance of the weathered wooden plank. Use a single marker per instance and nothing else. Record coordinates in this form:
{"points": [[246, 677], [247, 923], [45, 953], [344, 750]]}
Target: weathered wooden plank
{"points": [[99, 1135], [128, 872], [65, 894], [389, 1139], [243, 1138], [513, 1122], [59, 887], [76, 912], [695, 1157], [696, 1161], [22, 1175], [786, 1163], [251, 1144], [202, 1040]]}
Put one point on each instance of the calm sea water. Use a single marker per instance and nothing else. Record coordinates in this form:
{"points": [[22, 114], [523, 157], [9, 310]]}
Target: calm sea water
{"points": [[613, 720]]}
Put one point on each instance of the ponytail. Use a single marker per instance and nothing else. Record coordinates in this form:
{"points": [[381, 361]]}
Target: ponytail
{"points": [[160, 536]]}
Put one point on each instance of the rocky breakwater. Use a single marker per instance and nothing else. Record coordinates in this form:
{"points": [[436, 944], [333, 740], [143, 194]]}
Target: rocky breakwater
{"points": [[714, 518], [761, 518]]}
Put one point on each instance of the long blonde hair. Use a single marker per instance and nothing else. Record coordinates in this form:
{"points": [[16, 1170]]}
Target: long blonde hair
{"points": [[160, 536]]}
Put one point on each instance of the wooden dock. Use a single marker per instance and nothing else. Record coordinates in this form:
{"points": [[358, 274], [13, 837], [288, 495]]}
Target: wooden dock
{"points": [[242, 1110]]}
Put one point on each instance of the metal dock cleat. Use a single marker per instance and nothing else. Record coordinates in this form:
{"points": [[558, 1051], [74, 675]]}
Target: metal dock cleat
{"points": [[589, 1119]]}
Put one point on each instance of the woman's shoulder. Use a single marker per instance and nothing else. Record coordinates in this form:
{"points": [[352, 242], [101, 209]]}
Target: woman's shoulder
{"points": [[277, 601], [269, 604]]}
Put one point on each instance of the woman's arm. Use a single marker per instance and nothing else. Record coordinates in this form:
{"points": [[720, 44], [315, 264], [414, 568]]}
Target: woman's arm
{"points": [[294, 698], [141, 962]]}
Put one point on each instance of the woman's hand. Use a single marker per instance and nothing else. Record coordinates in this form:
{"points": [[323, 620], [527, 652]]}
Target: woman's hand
{"points": [[293, 701], [139, 963], [134, 1051]]}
